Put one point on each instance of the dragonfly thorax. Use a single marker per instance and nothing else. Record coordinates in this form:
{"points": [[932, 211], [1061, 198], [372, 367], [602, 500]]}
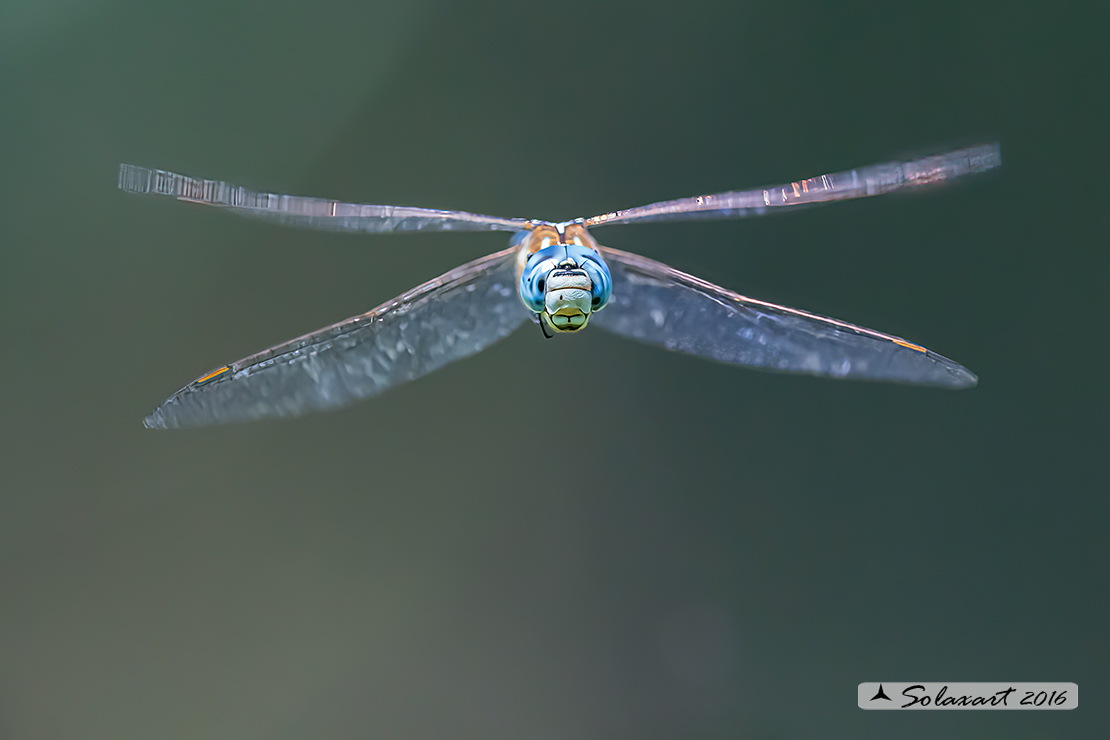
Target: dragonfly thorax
{"points": [[563, 278]]}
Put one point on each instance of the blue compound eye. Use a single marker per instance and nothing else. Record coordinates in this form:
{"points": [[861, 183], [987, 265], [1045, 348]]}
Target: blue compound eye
{"points": [[602, 281], [534, 277], [532, 294]]}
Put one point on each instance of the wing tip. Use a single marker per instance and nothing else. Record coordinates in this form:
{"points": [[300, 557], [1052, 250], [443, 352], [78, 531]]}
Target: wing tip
{"points": [[155, 420], [964, 379], [134, 179], [957, 377]]}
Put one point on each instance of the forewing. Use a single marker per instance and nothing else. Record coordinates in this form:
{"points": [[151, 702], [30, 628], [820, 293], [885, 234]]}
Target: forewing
{"points": [[659, 305], [443, 320], [311, 213], [857, 183]]}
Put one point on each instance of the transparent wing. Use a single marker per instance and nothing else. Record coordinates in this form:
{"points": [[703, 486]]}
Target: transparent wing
{"points": [[443, 320], [311, 213], [659, 305], [858, 183]]}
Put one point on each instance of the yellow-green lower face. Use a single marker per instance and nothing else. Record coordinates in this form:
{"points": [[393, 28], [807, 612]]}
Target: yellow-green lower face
{"points": [[566, 320], [567, 308]]}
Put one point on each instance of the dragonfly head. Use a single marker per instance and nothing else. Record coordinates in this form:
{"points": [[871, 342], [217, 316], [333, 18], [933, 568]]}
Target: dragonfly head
{"points": [[564, 284]]}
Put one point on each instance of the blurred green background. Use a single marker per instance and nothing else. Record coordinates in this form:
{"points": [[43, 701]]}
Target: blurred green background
{"points": [[730, 553]]}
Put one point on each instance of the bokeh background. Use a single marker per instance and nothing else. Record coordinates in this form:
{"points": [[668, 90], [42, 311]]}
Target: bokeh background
{"points": [[712, 552]]}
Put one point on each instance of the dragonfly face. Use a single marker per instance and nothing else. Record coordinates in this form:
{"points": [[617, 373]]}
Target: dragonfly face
{"points": [[563, 277]]}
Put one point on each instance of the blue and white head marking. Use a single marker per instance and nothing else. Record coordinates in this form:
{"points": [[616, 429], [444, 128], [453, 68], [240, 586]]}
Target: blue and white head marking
{"points": [[564, 283]]}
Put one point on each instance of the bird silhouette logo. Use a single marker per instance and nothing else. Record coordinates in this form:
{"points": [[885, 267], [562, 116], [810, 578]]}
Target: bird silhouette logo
{"points": [[880, 694]]}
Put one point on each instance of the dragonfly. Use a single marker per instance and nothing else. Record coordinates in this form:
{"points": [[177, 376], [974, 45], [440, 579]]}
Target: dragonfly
{"points": [[558, 276]]}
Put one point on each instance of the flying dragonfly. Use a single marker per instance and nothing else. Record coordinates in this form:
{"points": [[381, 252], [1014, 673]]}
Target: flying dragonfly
{"points": [[558, 276]]}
